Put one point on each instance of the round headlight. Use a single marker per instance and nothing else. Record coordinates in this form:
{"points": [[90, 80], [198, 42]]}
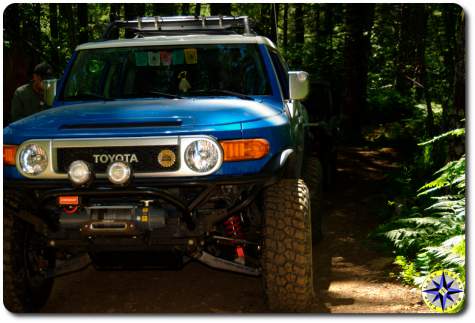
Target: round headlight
{"points": [[79, 172], [119, 173], [201, 155], [33, 159]]}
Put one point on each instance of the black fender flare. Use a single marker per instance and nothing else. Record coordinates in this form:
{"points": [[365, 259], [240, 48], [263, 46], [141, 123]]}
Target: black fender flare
{"points": [[286, 163]]}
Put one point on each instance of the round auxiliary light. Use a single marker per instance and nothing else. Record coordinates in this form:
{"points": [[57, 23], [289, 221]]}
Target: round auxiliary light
{"points": [[202, 155], [79, 172], [33, 159], [119, 173]]}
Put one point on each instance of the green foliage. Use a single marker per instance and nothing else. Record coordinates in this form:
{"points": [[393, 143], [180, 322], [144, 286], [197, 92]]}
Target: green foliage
{"points": [[452, 175], [408, 269], [452, 133], [428, 234], [385, 104]]}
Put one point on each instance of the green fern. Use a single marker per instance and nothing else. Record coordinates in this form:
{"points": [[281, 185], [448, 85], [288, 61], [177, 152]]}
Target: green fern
{"points": [[452, 133], [430, 235], [452, 175]]}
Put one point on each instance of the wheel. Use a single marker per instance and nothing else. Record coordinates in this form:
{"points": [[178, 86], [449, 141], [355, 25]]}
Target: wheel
{"points": [[312, 174], [26, 261], [287, 249]]}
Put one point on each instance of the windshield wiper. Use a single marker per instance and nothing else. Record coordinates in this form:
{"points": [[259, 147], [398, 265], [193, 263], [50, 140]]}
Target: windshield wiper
{"points": [[88, 96], [225, 92], [155, 94]]}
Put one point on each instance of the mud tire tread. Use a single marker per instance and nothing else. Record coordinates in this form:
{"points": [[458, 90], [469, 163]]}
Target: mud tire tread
{"points": [[18, 296], [313, 176], [287, 250]]}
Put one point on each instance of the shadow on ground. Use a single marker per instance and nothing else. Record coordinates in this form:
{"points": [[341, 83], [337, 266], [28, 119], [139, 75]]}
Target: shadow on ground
{"points": [[350, 276]]}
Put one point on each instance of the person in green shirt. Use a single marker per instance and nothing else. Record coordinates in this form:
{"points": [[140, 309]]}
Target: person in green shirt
{"points": [[28, 98]]}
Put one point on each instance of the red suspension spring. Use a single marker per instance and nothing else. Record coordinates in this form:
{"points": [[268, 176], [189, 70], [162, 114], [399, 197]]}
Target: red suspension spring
{"points": [[232, 227]]}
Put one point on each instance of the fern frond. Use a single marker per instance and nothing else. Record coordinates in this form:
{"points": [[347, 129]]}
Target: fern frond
{"points": [[452, 133], [420, 221]]}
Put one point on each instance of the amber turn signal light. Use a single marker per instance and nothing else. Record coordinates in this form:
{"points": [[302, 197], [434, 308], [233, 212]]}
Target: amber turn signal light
{"points": [[244, 149], [68, 200], [9, 153]]}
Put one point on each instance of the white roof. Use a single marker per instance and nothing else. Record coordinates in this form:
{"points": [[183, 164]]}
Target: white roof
{"points": [[178, 40]]}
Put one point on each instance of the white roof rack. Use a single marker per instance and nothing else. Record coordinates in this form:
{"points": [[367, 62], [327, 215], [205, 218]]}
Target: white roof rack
{"points": [[179, 25]]}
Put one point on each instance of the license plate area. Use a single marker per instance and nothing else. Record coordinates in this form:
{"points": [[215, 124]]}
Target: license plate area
{"points": [[142, 159]]}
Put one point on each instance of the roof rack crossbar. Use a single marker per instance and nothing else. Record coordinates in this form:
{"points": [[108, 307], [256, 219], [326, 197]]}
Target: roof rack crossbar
{"points": [[156, 21], [183, 24]]}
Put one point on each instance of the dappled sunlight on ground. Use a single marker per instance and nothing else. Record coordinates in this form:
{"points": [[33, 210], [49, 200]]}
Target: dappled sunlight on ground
{"points": [[350, 276]]}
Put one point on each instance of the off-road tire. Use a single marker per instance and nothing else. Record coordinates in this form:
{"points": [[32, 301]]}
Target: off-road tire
{"points": [[312, 174], [19, 293], [287, 249]]}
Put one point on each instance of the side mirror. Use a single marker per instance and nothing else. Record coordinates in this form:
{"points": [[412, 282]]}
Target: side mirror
{"points": [[298, 85], [49, 91]]}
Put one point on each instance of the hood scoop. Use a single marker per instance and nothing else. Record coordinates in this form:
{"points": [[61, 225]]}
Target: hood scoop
{"points": [[114, 125]]}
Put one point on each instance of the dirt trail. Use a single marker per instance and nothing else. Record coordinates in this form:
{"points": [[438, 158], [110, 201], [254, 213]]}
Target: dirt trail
{"points": [[350, 275]]}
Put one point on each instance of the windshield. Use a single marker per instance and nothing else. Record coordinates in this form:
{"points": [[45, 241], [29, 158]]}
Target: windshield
{"points": [[171, 72]]}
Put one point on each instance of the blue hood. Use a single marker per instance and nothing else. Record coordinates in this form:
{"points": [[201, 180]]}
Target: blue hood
{"points": [[121, 115]]}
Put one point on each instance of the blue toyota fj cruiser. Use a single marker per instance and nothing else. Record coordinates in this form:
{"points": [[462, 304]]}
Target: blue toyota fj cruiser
{"points": [[186, 138]]}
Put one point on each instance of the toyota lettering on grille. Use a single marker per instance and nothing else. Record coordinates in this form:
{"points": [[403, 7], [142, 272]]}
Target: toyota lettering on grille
{"points": [[109, 158]]}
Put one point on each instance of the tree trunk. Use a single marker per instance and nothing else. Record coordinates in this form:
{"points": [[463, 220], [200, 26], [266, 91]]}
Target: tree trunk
{"points": [[408, 33], [459, 68], [317, 20], [114, 12], [164, 9], [15, 70], [220, 9], [274, 22], [299, 32], [328, 25], [134, 10], [285, 27], [83, 23], [185, 9], [54, 33], [404, 51], [423, 85], [36, 32], [11, 18], [447, 47], [358, 23], [131, 12], [66, 10], [198, 10], [325, 53], [456, 117]]}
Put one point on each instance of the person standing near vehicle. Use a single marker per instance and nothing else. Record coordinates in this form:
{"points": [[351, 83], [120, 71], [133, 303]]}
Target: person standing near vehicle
{"points": [[28, 98]]}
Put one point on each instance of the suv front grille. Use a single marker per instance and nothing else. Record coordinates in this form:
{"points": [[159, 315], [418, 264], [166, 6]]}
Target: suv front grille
{"points": [[143, 159]]}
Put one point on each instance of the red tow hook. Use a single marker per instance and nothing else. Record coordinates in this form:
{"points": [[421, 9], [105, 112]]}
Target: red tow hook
{"points": [[70, 209], [70, 203]]}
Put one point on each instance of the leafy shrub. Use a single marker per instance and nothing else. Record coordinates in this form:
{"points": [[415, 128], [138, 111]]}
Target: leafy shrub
{"points": [[408, 269], [428, 234], [388, 105]]}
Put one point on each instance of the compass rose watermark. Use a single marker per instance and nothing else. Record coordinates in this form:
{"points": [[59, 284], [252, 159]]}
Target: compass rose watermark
{"points": [[443, 291]]}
